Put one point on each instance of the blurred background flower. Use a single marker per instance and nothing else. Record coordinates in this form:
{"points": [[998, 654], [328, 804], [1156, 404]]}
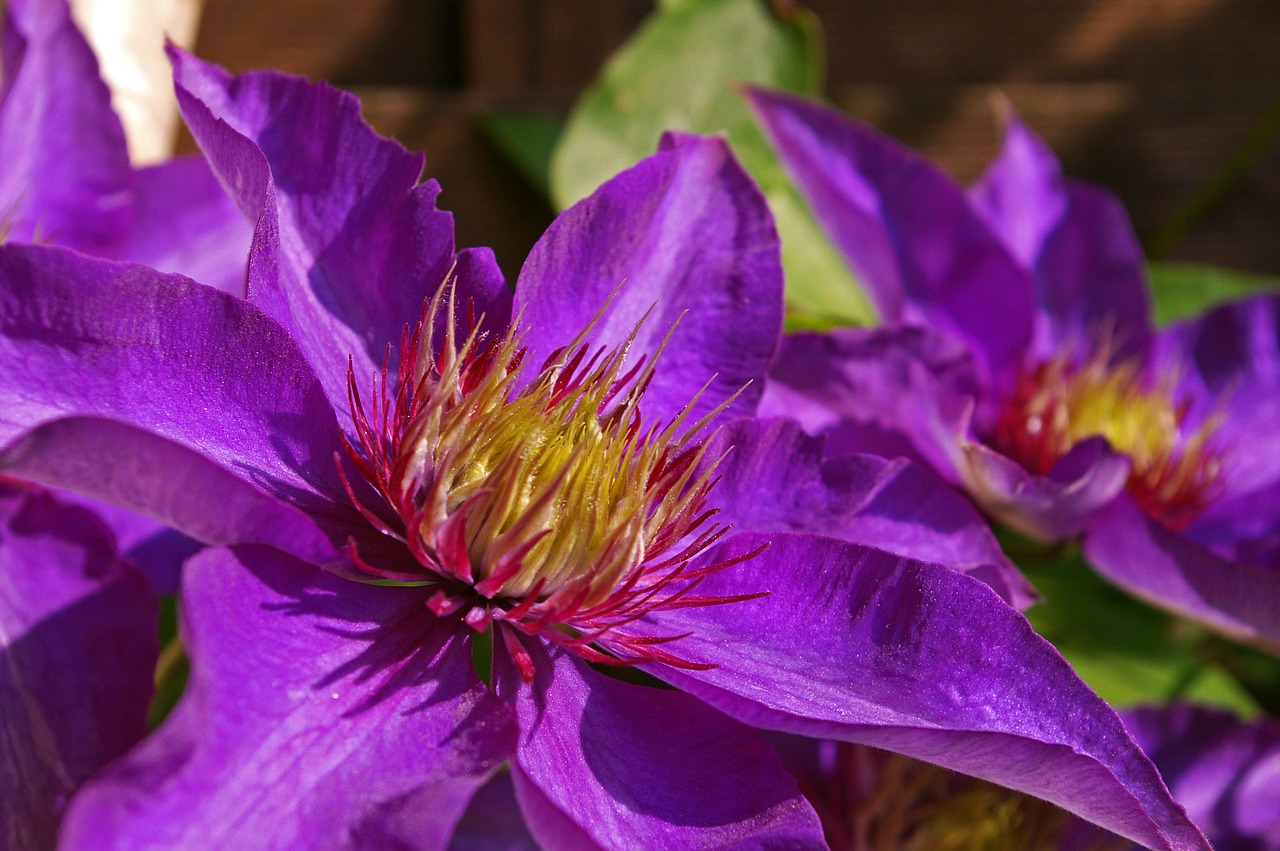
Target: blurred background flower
{"points": [[1165, 101]]}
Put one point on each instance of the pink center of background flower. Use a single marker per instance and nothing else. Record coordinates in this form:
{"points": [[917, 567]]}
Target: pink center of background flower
{"points": [[1061, 401]]}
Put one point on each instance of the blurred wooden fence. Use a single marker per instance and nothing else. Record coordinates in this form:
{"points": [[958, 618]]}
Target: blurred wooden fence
{"points": [[1151, 97]]}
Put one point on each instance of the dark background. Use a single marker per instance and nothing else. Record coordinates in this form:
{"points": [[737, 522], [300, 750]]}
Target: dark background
{"points": [[1151, 97]]}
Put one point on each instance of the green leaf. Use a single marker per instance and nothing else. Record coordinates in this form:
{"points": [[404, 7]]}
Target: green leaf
{"points": [[172, 667], [1185, 290], [527, 140], [819, 282], [1128, 652], [681, 71]]}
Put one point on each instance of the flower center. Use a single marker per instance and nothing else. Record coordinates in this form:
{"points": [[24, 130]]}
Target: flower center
{"points": [[534, 499], [1061, 401]]}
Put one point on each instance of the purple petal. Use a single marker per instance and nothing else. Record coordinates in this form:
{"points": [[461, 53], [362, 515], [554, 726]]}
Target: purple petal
{"points": [[154, 547], [493, 821], [183, 197], [161, 557], [78, 648], [1226, 772], [1052, 507], [775, 479], [320, 713], [1176, 573], [153, 391], [1228, 361], [483, 290], [346, 247], [631, 766], [687, 235], [1076, 238], [1092, 277], [859, 645], [1022, 196], [66, 176], [117, 463], [906, 228], [888, 391]]}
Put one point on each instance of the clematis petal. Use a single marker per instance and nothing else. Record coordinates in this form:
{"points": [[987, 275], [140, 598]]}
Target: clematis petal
{"points": [[320, 713], [205, 395], [775, 479], [1225, 771], [346, 247], [860, 645], [154, 547], [1092, 277], [906, 228], [1230, 359], [686, 234], [183, 197], [109, 461], [66, 175], [1022, 195], [1075, 238], [888, 391], [1050, 507], [1174, 572], [493, 821], [77, 652], [629, 766]]}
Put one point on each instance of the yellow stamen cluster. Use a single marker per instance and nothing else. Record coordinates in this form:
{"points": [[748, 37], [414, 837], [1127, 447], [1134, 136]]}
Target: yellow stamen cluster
{"points": [[542, 487]]}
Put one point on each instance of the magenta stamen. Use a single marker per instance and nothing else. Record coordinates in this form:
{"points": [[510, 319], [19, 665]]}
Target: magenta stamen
{"points": [[442, 603], [478, 618], [394, 575], [518, 655]]}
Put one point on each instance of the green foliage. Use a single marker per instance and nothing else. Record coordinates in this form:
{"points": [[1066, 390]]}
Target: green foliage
{"points": [[1125, 650], [526, 140], [1185, 290], [172, 668], [681, 71]]}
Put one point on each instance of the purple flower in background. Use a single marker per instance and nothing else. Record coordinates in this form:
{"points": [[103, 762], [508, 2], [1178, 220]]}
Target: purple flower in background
{"points": [[391, 470], [77, 651], [65, 179], [1225, 771], [1018, 360]]}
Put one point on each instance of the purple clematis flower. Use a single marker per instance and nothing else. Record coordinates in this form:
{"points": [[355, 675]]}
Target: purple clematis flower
{"points": [[65, 179], [77, 651], [397, 465], [1224, 770], [1018, 360]]}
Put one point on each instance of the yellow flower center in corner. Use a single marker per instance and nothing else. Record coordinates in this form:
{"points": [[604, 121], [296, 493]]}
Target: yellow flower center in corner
{"points": [[1062, 401]]}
